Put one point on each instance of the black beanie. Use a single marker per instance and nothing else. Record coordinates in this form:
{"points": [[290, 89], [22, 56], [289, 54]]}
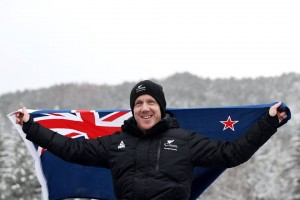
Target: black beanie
{"points": [[151, 88]]}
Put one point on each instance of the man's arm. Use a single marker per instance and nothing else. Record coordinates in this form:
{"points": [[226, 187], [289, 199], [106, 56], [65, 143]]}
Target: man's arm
{"points": [[81, 151], [212, 153]]}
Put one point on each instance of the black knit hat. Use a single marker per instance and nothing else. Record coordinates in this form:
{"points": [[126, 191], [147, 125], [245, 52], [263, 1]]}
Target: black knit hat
{"points": [[153, 89]]}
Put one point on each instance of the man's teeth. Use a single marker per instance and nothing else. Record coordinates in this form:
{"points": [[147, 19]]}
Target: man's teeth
{"points": [[146, 117]]}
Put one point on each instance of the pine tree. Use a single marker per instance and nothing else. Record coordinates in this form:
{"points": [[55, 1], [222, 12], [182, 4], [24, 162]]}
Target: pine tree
{"points": [[18, 179], [289, 177]]}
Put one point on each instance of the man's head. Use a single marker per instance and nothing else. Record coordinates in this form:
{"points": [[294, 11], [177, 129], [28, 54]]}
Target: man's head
{"points": [[147, 103], [153, 89]]}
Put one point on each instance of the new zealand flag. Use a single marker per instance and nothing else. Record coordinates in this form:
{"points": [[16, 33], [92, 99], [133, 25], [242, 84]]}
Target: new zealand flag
{"points": [[60, 179]]}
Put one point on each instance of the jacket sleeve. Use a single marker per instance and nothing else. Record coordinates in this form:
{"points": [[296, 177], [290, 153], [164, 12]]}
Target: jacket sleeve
{"points": [[82, 151], [219, 154]]}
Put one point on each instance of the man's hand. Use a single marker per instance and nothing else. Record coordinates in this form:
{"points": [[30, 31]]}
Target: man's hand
{"points": [[22, 116], [273, 111]]}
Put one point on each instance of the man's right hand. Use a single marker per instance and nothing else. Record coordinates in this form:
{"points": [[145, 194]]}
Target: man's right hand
{"points": [[22, 116]]}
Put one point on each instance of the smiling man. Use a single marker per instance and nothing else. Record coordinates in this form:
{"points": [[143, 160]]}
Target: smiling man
{"points": [[147, 112], [152, 158], [148, 104]]}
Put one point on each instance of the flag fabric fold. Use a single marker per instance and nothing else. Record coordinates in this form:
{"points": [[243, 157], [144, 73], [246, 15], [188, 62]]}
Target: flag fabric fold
{"points": [[60, 179]]}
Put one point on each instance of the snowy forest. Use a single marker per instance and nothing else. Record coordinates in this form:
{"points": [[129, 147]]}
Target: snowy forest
{"points": [[272, 173]]}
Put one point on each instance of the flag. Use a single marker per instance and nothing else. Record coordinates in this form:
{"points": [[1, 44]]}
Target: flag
{"points": [[60, 179]]}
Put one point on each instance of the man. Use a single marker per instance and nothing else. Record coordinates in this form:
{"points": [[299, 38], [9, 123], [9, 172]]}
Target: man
{"points": [[152, 158]]}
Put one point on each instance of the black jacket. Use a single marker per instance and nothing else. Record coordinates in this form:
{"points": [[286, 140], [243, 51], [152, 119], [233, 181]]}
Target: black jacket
{"points": [[158, 164]]}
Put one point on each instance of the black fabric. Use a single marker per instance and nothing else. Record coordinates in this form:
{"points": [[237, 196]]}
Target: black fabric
{"points": [[167, 122], [153, 89], [273, 121]]}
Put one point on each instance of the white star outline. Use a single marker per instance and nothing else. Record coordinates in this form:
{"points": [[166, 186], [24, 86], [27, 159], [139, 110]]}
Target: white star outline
{"points": [[229, 123]]}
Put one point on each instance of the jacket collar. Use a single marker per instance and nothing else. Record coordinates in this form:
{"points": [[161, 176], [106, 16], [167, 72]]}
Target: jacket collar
{"points": [[169, 121]]}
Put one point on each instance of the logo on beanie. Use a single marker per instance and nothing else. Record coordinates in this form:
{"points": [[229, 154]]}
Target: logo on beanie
{"points": [[140, 88]]}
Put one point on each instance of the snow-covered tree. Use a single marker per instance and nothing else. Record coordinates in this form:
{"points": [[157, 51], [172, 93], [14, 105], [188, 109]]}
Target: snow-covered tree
{"points": [[17, 176], [289, 178]]}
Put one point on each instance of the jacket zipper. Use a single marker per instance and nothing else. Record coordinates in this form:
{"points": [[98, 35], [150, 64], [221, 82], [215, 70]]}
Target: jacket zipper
{"points": [[158, 155]]}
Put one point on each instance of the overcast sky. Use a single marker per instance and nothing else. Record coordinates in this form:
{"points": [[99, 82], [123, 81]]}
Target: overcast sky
{"points": [[47, 42]]}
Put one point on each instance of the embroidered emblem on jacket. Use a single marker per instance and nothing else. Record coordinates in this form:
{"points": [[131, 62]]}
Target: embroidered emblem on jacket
{"points": [[121, 145], [169, 146]]}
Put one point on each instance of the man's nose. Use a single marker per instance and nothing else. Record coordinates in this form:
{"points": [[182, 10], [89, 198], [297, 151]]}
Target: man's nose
{"points": [[145, 107]]}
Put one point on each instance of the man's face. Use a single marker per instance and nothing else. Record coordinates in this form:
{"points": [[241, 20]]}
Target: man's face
{"points": [[146, 112]]}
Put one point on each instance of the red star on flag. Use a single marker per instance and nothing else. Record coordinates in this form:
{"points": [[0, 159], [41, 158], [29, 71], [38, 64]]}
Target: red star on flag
{"points": [[229, 123]]}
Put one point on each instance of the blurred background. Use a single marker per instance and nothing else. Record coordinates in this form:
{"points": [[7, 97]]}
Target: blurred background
{"points": [[108, 42]]}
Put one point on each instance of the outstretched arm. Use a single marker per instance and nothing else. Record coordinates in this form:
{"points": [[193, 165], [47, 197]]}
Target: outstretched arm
{"points": [[87, 152], [212, 153]]}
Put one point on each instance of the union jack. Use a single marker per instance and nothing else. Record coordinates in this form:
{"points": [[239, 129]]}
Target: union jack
{"points": [[81, 123]]}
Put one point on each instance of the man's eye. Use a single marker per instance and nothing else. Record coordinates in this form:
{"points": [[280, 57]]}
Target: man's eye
{"points": [[138, 103], [151, 102]]}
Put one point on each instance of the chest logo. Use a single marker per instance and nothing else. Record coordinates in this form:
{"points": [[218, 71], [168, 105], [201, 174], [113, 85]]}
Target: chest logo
{"points": [[170, 146], [121, 145]]}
